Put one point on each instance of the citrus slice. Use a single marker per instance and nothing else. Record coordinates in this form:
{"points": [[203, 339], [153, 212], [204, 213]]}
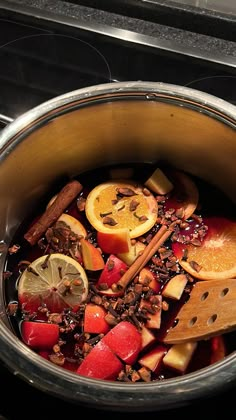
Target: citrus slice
{"points": [[121, 204], [216, 257], [57, 281], [74, 224], [185, 194]]}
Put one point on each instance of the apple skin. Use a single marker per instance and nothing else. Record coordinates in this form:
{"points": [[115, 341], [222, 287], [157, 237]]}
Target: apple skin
{"points": [[92, 258], [39, 335], [94, 319], [112, 272], [114, 242], [125, 341], [218, 349], [100, 363]]}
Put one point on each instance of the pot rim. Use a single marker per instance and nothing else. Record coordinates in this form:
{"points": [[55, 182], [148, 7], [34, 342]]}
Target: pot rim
{"points": [[150, 90], [113, 395]]}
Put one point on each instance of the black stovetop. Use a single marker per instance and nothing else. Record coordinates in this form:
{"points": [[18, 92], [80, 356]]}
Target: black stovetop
{"points": [[42, 58]]}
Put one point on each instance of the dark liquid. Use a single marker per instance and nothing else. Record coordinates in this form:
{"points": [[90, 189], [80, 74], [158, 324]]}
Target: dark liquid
{"points": [[213, 202]]}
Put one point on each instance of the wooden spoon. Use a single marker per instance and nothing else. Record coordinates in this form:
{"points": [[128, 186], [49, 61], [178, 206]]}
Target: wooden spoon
{"points": [[210, 310]]}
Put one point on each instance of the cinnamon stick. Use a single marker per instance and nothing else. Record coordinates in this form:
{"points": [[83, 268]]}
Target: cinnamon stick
{"points": [[157, 241], [52, 213]]}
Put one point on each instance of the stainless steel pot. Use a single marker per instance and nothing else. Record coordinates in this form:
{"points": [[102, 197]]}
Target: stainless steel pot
{"points": [[93, 127]]}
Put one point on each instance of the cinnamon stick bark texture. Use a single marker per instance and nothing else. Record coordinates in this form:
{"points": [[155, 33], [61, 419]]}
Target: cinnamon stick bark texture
{"points": [[64, 198], [157, 241]]}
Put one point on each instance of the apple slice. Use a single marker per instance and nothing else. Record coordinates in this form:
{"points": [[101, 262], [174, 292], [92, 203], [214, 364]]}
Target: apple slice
{"points": [[153, 359], [94, 319], [74, 224], [112, 272], [92, 258], [133, 253], [148, 278], [39, 335], [147, 337], [175, 287], [218, 348], [159, 183], [179, 356], [100, 363], [125, 341], [114, 242], [154, 320]]}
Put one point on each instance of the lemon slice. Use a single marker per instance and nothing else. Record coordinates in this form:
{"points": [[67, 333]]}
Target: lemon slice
{"points": [[57, 281], [122, 204]]}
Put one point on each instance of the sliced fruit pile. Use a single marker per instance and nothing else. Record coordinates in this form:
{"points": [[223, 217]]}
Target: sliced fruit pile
{"points": [[74, 312]]}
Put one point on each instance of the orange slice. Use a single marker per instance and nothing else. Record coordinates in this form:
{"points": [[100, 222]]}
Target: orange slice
{"points": [[57, 281], [216, 257], [121, 204]]}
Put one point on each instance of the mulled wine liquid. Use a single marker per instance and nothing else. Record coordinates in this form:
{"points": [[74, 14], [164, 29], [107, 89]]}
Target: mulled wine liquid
{"points": [[212, 203]]}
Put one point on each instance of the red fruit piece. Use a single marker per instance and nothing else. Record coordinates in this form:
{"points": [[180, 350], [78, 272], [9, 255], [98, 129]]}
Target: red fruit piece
{"points": [[94, 319], [218, 349], [39, 335], [101, 363], [125, 341], [112, 272], [92, 258], [115, 242]]}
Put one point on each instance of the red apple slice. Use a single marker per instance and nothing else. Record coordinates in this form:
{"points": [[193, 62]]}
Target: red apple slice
{"points": [[114, 242], [175, 287], [148, 278], [94, 319], [135, 250], [100, 363], [125, 341], [153, 359], [218, 349], [112, 272], [92, 258], [39, 335]]}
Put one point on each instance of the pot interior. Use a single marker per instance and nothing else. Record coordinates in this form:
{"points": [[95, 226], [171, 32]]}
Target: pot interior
{"points": [[103, 133], [112, 129]]}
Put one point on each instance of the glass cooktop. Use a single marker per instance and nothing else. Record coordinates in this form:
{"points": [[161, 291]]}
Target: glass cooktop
{"points": [[40, 60]]}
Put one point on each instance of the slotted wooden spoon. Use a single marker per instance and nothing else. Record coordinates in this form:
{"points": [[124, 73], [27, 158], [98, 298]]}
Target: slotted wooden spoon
{"points": [[210, 310]]}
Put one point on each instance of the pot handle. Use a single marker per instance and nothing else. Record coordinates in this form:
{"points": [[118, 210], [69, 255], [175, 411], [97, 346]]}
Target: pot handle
{"points": [[4, 120]]}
